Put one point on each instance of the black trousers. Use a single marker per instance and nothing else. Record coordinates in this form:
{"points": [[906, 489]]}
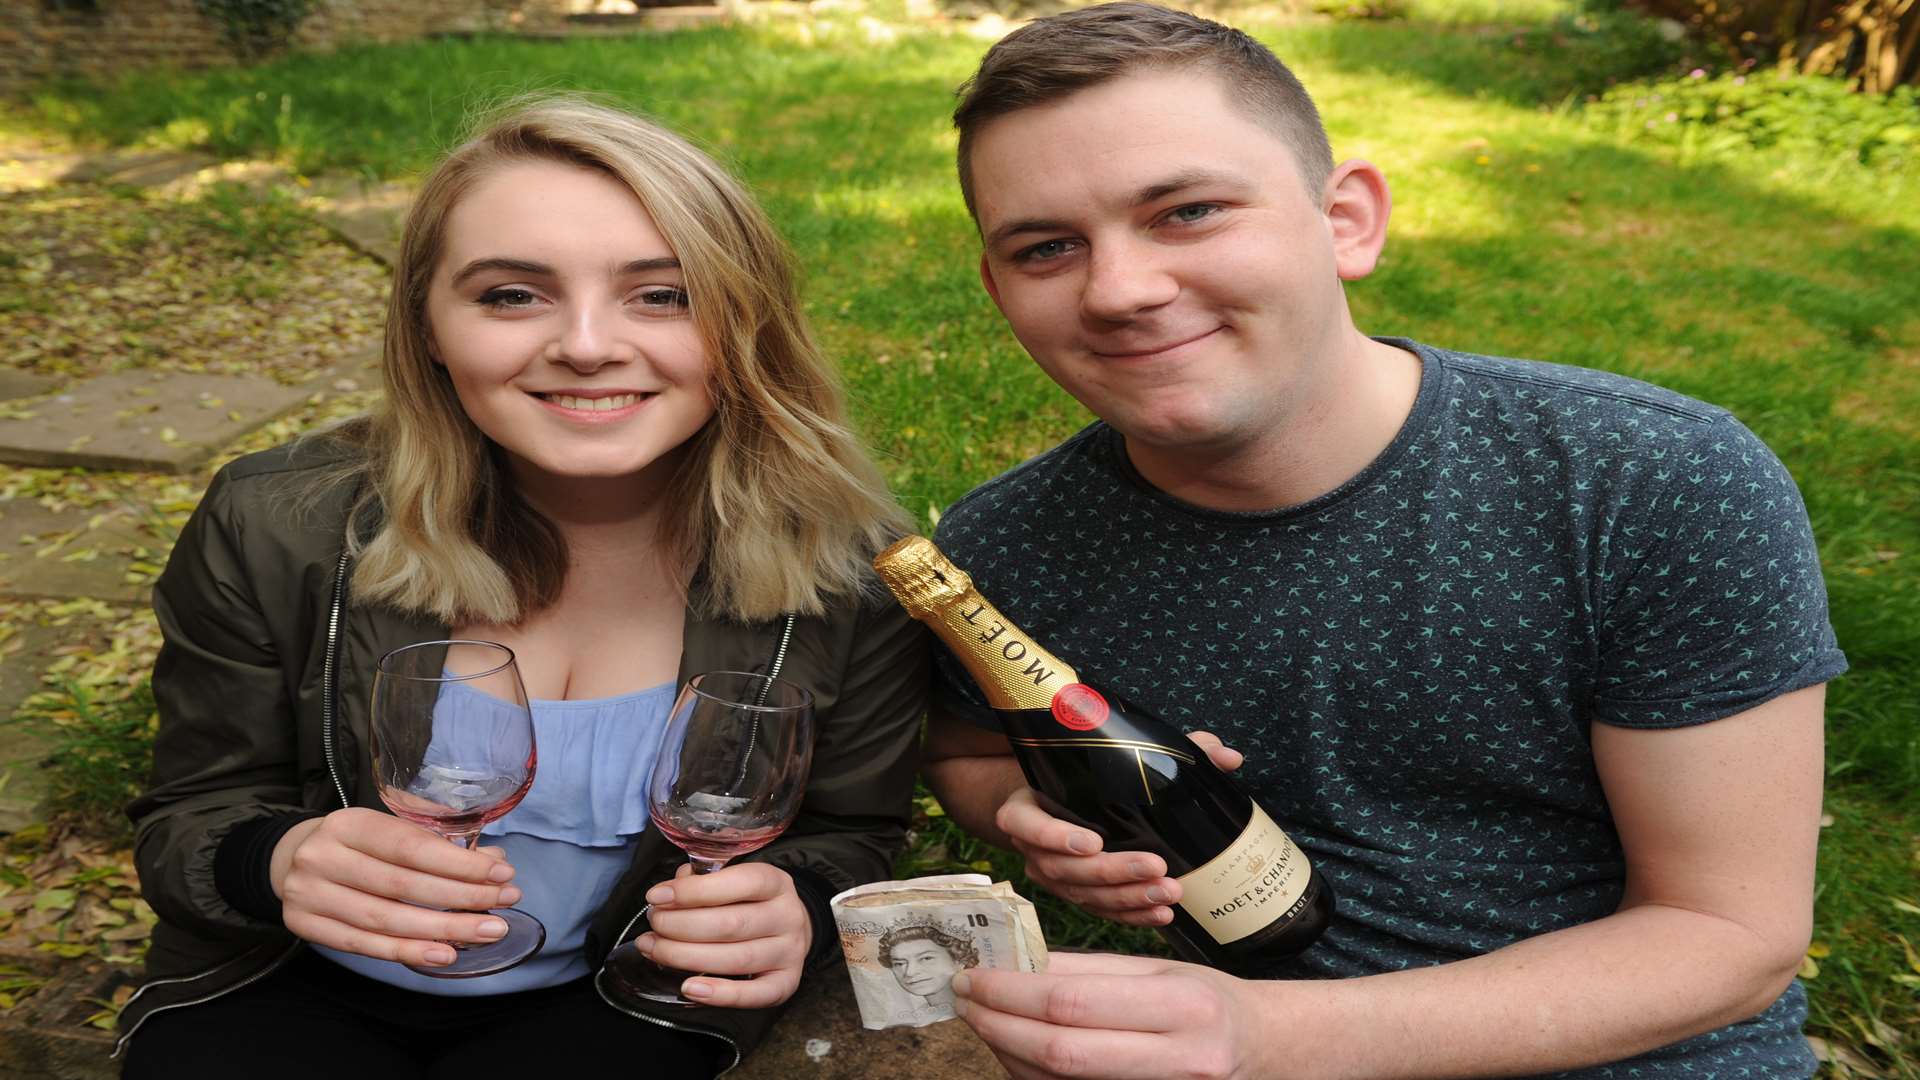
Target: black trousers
{"points": [[314, 1018]]}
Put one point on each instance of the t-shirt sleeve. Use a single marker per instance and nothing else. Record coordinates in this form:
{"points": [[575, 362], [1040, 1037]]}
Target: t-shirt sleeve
{"points": [[1709, 597]]}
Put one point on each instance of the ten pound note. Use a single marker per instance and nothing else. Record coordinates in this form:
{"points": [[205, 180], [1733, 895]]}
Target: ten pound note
{"points": [[906, 940]]}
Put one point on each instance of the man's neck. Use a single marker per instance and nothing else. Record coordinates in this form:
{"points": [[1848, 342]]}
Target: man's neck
{"points": [[1327, 438]]}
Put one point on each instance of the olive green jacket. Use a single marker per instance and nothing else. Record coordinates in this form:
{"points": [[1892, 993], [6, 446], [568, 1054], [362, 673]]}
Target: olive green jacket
{"points": [[263, 686]]}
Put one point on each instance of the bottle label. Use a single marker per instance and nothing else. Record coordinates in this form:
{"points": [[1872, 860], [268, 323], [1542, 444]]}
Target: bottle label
{"points": [[1258, 878]]}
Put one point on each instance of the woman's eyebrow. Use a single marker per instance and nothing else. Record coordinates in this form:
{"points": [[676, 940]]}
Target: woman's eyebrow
{"points": [[500, 262]]}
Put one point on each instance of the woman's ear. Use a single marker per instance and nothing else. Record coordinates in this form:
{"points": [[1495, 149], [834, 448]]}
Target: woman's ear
{"points": [[1357, 205]]}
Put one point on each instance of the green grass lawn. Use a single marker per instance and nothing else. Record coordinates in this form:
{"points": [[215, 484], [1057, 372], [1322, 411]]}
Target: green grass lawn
{"points": [[1783, 286]]}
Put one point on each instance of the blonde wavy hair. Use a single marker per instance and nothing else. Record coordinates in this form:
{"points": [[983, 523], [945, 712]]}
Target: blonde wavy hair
{"points": [[774, 500]]}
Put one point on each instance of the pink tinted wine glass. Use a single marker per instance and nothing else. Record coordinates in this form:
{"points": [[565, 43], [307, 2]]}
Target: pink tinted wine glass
{"points": [[453, 751], [729, 778]]}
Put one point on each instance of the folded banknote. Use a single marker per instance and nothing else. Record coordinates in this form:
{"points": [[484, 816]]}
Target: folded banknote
{"points": [[906, 940]]}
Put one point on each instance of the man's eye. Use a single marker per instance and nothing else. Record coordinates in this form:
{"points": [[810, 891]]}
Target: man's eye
{"points": [[1044, 250], [507, 298], [1189, 214]]}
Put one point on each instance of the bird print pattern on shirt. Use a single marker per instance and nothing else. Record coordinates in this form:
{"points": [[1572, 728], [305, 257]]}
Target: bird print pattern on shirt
{"points": [[1411, 661]]}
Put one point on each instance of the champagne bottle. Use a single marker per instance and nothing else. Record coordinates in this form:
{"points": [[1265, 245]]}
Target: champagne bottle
{"points": [[1249, 895]]}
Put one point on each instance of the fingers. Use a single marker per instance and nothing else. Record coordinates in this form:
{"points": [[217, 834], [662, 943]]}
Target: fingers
{"points": [[756, 956], [1221, 754], [1099, 963], [759, 993], [737, 884], [1031, 1048], [1029, 826], [365, 882], [392, 840], [1109, 1001]]}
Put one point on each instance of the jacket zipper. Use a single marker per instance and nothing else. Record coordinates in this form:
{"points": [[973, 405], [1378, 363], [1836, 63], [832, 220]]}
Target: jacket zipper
{"points": [[773, 672], [327, 677], [326, 745]]}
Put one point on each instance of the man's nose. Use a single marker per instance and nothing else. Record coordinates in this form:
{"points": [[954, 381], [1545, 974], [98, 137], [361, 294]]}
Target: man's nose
{"points": [[1124, 280]]}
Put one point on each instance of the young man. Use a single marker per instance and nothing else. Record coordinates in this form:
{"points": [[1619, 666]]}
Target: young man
{"points": [[1527, 658]]}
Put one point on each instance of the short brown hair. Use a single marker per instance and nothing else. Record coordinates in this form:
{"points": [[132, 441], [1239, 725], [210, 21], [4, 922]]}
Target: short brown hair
{"points": [[1052, 58]]}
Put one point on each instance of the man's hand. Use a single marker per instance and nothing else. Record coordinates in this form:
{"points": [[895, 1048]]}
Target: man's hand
{"points": [[366, 882], [1117, 1018], [743, 920], [1127, 887]]}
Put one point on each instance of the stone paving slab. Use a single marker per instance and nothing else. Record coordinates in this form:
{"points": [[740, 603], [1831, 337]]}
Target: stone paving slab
{"points": [[24, 384], [366, 216], [91, 558], [22, 749], [148, 168], [45, 1038], [820, 1038], [145, 421]]}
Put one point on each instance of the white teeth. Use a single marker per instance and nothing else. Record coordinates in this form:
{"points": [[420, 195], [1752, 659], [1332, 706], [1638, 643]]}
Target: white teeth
{"points": [[604, 404]]}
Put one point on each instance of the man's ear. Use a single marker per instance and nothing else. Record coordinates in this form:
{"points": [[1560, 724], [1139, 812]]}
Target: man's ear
{"points": [[986, 280], [1357, 206]]}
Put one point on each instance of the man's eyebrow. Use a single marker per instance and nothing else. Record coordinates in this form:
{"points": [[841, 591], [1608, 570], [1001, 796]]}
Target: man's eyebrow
{"points": [[1153, 192], [525, 266]]}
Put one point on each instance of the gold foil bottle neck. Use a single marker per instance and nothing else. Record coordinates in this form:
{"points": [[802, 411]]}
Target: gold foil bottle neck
{"points": [[1012, 670], [920, 576]]}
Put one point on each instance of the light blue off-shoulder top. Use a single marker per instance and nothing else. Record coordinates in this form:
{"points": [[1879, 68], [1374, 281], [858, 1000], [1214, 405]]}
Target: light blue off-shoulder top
{"points": [[570, 838]]}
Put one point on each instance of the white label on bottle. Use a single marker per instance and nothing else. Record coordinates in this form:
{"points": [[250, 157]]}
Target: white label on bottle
{"points": [[1257, 879]]}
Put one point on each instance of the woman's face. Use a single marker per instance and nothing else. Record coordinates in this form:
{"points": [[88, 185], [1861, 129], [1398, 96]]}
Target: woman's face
{"points": [[922, 967], [561, 314]]}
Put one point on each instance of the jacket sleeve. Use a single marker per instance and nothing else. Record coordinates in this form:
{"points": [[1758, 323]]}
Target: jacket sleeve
{"points": [[866, 754], [225, 752]]}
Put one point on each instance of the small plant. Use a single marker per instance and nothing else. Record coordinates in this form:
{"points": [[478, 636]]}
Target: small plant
{"points": [[1807, 115], [254, 29], [104, 751]]}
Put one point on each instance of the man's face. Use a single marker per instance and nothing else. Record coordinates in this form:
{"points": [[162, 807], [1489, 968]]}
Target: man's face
{"points": [[1158, 254], [922, 967]]}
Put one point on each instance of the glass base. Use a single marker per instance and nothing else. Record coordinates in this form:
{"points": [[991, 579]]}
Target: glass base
{"points": [[631, 972], [523, 939]]}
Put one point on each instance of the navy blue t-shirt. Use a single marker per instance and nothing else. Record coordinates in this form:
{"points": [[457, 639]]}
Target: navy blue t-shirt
{"points": [[1411, 663]]}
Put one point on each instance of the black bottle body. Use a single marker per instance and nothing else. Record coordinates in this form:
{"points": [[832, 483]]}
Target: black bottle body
{"points": [[1143, 786]]}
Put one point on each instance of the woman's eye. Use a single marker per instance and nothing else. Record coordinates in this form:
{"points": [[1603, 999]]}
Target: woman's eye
{"points": [[665, 299], [507, 298], [1044, 250]]}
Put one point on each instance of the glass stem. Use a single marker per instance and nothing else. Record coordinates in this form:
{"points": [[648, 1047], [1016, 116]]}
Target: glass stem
{"points": [[705, 866]]}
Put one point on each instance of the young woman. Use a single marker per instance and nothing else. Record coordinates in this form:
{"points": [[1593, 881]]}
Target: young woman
{"points": [[608, 443]]}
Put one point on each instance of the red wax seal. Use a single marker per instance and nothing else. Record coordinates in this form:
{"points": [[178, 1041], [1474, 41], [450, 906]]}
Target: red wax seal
{"points": [[1080, 707]]}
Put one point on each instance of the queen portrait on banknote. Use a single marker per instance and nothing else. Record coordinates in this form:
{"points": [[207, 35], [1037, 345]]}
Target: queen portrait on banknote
{"points": [[924, 957]]}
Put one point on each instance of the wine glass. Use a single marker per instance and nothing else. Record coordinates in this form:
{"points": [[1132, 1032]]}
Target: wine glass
{"points": [[453, 750], [729, 778]]}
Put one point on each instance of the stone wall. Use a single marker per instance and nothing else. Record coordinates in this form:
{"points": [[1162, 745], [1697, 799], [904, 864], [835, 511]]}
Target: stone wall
{"points": [[41, 39]]}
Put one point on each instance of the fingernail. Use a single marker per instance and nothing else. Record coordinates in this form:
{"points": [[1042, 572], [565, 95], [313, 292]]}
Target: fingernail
{"points": [[1084, 843], [499, 872], [659, 895], [645, 944], [1141, 868], [440, 956], [960, 1006], [493, 928], [1158, 895], [962, 985], [697, 990], [509, 896]]}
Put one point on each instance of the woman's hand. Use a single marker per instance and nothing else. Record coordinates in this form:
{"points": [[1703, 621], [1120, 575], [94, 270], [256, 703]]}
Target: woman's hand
{"points": [[745, 919], [366, 882]]}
